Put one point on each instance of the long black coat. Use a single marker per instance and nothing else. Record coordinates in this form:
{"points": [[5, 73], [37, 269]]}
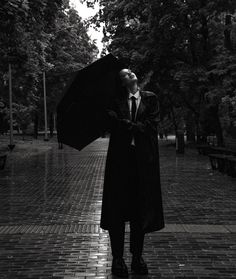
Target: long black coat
{"points": [[144, 131]]}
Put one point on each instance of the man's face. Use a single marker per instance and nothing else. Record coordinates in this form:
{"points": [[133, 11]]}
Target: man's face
{"points": [[127, 77]]}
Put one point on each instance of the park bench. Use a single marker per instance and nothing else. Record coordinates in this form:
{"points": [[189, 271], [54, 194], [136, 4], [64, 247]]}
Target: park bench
{"points": [[3, 158], [231, 170], [206, 148], [203, 149], [224, 163], [223, 150], [223, 159]]}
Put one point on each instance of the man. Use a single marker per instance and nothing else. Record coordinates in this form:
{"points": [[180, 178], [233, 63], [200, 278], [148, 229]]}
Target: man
{"points": [[132, 190]]}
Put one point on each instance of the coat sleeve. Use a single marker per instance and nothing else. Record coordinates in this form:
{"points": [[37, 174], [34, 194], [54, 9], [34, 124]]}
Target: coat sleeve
{"points": [[112, 121], [148, 125]]}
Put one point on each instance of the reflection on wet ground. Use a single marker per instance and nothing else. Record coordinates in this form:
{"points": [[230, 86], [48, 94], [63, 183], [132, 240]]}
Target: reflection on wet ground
{"points": [[50, 206], [65, 186]]}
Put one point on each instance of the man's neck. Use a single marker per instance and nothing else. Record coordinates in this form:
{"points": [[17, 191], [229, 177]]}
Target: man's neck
{"points": [[133, 89]]}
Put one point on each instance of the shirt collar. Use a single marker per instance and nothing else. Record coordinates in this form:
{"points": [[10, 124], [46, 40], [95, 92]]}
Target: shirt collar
{"points": [[136, 95]]}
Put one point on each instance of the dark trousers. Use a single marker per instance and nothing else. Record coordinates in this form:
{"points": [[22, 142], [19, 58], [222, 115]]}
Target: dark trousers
{"points": [[130, 204], [117, 235]]}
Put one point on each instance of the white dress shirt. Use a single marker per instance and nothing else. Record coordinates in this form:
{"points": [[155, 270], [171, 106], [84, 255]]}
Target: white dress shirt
{"points": [[137, 99]]}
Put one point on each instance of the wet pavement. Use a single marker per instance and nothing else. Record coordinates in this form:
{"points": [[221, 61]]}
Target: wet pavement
{"points": [[50, 205]]}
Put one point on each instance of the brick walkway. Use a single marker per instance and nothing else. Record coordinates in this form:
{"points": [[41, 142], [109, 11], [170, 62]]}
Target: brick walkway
{"points": [[50, 205]]}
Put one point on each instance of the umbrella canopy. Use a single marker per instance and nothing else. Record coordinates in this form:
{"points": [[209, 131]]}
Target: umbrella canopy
{"points": [[89, 93]]}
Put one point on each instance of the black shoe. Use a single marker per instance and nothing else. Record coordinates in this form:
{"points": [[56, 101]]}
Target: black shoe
{"points": [[138, 266], [119, 268]]}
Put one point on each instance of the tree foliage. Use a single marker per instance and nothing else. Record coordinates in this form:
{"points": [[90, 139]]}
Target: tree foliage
{"points": [[184, 50], [36, 37]]}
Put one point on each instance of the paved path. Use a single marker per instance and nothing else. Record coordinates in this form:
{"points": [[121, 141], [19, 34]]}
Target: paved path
{"points": [[50, 204]]}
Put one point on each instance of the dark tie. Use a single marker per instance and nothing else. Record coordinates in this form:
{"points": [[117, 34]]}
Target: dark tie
{"points": [[133, 108]]}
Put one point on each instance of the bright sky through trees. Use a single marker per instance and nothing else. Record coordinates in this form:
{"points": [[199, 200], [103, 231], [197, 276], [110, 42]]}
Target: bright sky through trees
{"points": [[86, 13]]}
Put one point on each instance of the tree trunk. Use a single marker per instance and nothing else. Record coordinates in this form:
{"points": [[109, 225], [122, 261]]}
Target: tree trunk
{"points": [[190, 127], [161, 135], [23, 134], [219, 131], [36, 124], [219, 137], [190, 134], [201, 138], [51, 124], [174, 121], [205, 38], [227, 32]]}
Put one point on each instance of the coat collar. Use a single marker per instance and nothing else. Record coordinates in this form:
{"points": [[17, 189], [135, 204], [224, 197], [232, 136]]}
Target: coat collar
{"points": [[136, 95], [123, 104], [142, 105]]}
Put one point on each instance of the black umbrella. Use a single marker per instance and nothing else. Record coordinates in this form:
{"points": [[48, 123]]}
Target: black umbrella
{"points": [[80, 112]]}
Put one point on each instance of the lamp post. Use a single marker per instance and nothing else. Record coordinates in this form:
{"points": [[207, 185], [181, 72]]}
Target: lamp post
{"points": [[11, 144], [45, 108]]}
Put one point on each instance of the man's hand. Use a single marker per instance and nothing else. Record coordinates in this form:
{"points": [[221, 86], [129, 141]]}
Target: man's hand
{"points": [[112, 114], [127, 123]]}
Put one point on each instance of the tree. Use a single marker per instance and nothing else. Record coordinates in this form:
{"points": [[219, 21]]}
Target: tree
{"points": [[179, 45], [70, 50], [40, 36], [23, 42]]}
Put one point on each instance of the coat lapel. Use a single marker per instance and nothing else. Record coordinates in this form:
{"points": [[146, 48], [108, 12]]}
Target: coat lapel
{"points": [[142, 106], [124, 108]]}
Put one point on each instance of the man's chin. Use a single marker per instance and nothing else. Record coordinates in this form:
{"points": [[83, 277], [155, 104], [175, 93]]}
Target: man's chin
{"points": [[133, 80]]}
